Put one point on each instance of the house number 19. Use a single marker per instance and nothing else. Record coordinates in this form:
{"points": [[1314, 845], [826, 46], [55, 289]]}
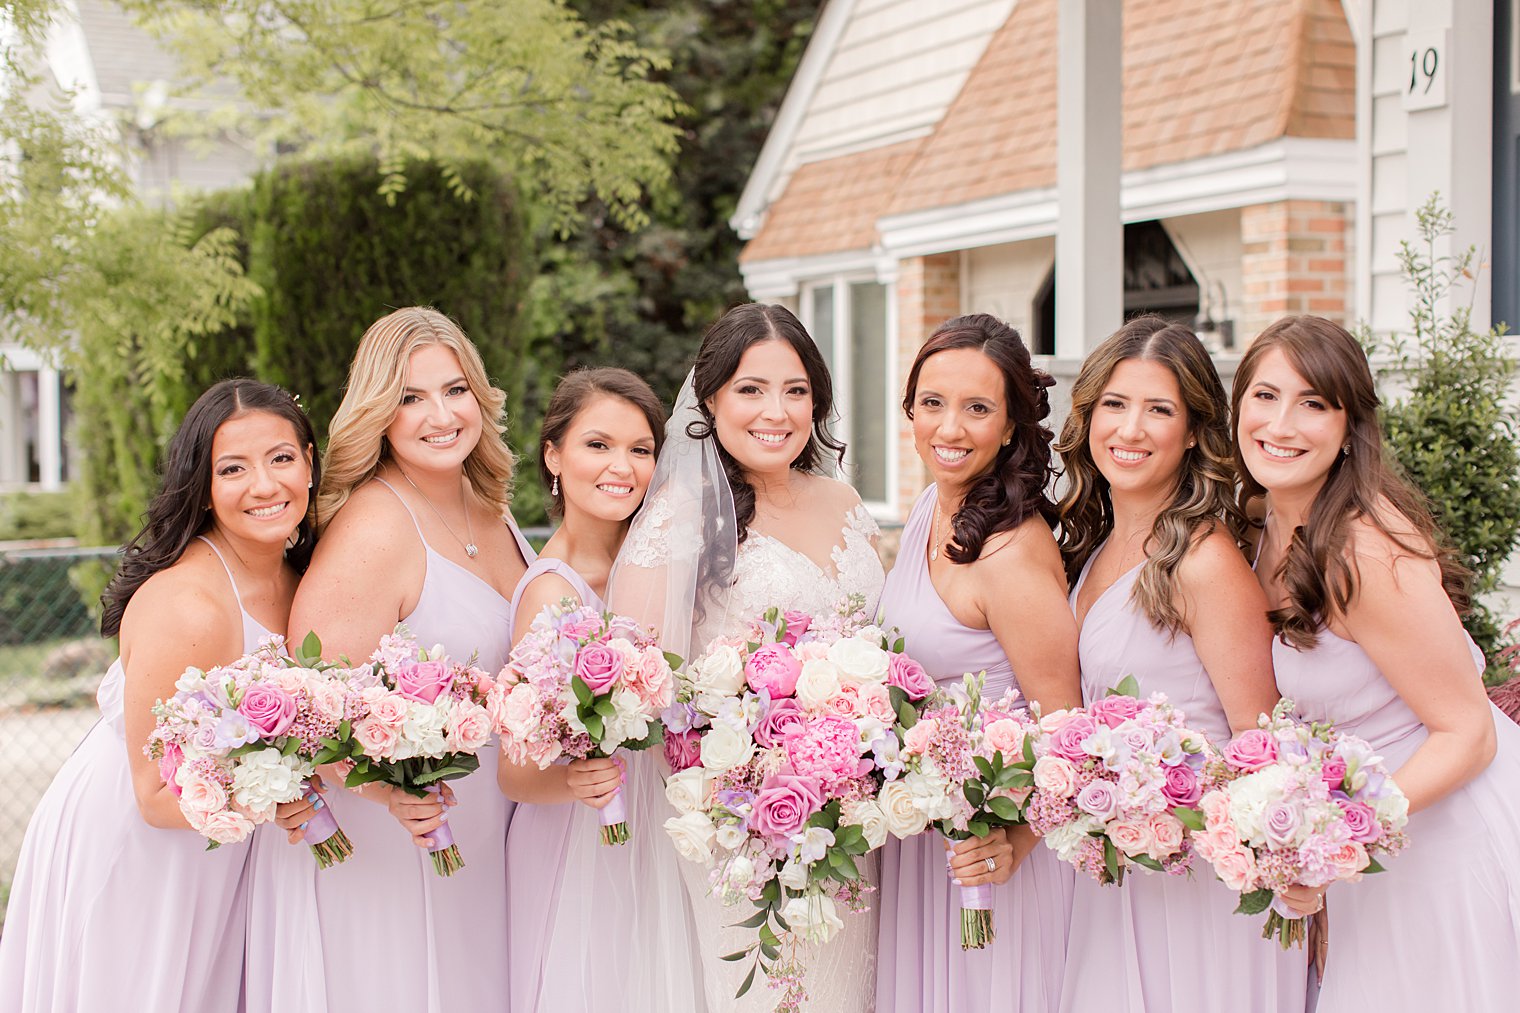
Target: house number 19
{"points": [[1425, 86]]}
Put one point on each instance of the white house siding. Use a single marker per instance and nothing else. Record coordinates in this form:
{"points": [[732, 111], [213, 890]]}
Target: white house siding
{"points": [[1388, 200], [1003, 280], [1210, 245]]}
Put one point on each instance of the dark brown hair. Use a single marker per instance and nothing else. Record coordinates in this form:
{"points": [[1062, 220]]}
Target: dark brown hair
{"points": [[1013, 488], [1317, 575], [575, 391]]}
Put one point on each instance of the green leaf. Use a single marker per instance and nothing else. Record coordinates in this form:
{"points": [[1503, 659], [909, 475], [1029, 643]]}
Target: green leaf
{"points": [[1147, 861], [604, 707], [310, 650], [291, 745], [1373, 865], [1004, 808], [345, 729], [754, 921], [594, 727], [356, 777], [675, 661], [1190, 818], [979, 828], [1028, 750], [847, 836], [984, 767], [749, 979], [737, 955], [654, 737], [1110, 859], [583, 694], [843, 864], [899, 645], [767, 935], [1128, 686], [446, 774], [907, 717], [772, 951], [771, 892], [1255, 902]]}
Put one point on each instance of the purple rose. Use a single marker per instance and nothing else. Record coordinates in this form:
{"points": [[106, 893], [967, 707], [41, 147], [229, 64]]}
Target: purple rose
{"points": [[1114, 710], [1361, 820], [682, 749], [600, 667], [1251, 750], [784, 719], [1099, 799], [773, 669], [627, 628], [1282, 822], [797, 624], [1182, 787], [909, 676], [784, 804], [268, 708], [1067, 741], [423, 680]]}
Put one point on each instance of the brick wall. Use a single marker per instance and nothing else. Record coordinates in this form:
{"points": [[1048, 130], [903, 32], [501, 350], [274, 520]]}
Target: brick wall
{"points": [[1293, 260], [928, 294]]}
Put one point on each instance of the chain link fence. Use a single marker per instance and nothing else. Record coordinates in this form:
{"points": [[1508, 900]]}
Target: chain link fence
{"points": [[52, 659]]}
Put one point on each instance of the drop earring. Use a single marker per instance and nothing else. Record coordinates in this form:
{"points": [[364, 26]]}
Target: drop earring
{"points": [[554, 488]]}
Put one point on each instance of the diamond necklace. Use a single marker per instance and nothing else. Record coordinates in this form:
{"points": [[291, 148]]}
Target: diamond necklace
{"points": [[470, 549]]}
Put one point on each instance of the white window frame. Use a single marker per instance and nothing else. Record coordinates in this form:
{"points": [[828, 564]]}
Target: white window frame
{"points": [[843, 376]]}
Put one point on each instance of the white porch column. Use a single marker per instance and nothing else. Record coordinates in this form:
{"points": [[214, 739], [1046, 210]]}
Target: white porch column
{"points": [[1090, 231], [49, 428]]}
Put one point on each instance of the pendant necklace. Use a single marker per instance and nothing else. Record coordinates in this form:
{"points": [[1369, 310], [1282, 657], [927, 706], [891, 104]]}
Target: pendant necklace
{"points": [[934, 532], [470, 548]]}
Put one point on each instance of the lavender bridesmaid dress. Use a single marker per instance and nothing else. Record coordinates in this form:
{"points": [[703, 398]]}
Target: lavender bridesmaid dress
{"points": [[1168, 943], [1441, 928], [921, 964], [383, 931], [108, 913]]}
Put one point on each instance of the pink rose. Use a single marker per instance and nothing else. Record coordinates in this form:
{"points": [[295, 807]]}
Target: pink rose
{"points": [[581, 629], [1006, 736], [772, 668], [1333, 770], [826, 748], [268, 708], [599, 666], [200, 794], [909, 676], [797, 624], [469, 727], [1282, 822], [846, 702], [784, 804], [1348, 860], [423, 680], [388, 708], [1166, 831], [1237, 868], [1133, 837], [920, 735], [876, 702], [225, 827], [377, 738], [651, 679], [1067, 741], [682, 749], [1251, 750], [1216, 809], [1055, 776], [1114, 710], [168, 766], [1182, 786], [1361, 821], [1098, 798], [785, 718], [329, 700], [514, 710]]}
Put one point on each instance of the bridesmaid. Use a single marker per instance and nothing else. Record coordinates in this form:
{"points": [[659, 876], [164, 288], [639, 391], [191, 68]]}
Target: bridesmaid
{"points": [[116, 904], [597, 448], [1162, 592], [1365, 599], [978, 586], [413, 509]]}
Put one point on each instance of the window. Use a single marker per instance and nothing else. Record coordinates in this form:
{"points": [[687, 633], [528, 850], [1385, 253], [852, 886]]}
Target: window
{"points": [[850, 320]]}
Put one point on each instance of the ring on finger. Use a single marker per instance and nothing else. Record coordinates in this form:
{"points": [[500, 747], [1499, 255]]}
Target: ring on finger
{"points": [[991, 864]]}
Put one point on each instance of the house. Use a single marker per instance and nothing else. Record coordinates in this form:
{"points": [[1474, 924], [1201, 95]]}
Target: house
{"points": [[1267, 158]]}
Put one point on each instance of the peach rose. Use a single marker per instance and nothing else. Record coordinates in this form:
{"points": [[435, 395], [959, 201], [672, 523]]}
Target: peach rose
{"points": [[1237, 868], [1167, 833], [1133, 837]]}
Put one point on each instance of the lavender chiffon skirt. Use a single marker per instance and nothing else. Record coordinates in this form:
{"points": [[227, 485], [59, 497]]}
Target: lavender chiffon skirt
{"points": [[921, 965]]}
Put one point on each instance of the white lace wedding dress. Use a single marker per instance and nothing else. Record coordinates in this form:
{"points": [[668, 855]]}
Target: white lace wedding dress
{"points": [[841, 976]]}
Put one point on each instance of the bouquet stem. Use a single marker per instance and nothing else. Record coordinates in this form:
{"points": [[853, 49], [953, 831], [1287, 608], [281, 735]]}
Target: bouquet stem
{"points": [[328, 842], [1287, 931], [614, 816], [445, 853], [976, 917]]}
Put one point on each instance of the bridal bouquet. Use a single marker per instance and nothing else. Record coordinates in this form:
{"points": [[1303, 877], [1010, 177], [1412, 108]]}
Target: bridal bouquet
{"points": [[418, 718], [1116, 783], [583, 683], [1300, 803], [236, 741], [781, 741], [967, 763]]}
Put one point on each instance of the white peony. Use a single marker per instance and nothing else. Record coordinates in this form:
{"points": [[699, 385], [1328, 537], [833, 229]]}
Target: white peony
{"points": [[819, 681], [859, 661], [813, 917], [904, 818], [263, 779], [1249, 798], [725, 746], [687, 790], [693, 836], [868, 816]]}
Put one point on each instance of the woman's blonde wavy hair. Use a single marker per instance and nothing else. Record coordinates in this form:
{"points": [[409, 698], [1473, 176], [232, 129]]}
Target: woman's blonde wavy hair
{"points": [[1205, 495], [356, 445]]}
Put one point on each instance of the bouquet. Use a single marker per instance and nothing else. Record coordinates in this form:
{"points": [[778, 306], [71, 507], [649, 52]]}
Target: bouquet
{"points": [[1298, 803], [1115, 784], [418, 719], [780, 741], [583, 683], [237, 740], [967, 762]]}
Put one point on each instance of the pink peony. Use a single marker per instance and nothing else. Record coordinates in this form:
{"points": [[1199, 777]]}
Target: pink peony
{"points": [[826, 748], [682, 749], [1182, 785], [1067, 741], [785, 718], [1251, 750], [1006, 736], [909, 676], [1114, 710], [599, 666], [784, 804], [268, 708], [1361, 821], [1133, 837], [797, 624], [377, 738], [774, 669], [423, 680]]}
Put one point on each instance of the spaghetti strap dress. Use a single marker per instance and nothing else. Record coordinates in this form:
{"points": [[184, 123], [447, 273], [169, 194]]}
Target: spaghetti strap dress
{"points": [[383, 931], [1168, 942], [108, 913], [921, 965]]}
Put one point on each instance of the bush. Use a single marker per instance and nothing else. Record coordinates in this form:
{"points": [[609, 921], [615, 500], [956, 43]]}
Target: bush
{"points": [[29, 515], [1452, 433]]}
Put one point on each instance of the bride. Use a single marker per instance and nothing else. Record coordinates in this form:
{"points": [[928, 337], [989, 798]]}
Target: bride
{"points": [[741, 518]]}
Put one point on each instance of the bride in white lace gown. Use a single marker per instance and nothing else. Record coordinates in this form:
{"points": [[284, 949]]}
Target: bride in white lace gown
{"points": [[787, 536]]}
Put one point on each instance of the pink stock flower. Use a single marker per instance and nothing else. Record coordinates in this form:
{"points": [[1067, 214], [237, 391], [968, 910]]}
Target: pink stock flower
{"points": [[1182, 786], [682, 749], [423, 680], [784, 804], [785, 718], [599, 666], [1067, 741], [1251, 750], [773, 668], [909, 676], [797, 624], [826, 748], [1114, 710], [268, 708]]}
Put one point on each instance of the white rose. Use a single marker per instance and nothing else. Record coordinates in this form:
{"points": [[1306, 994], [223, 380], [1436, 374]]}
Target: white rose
{"points": [[904, 818], [793, 875], [819, 681], [869, 817], [858, 661], [720, 672], [725, 746], [813, 917], [263, 779], [736, 878], [731, 836], [1067, 840], [871, 634], [693, 836], [687, 790]]}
